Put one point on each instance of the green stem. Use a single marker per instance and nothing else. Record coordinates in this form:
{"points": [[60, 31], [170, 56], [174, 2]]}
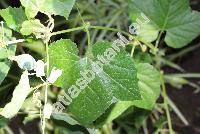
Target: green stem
{"points": [[92, 27], [183, 52], [88, 36], [177, 111], [68, 30], [110, 29], [187, 75], [47, 55], [164, 94], [46, 86], [5, 87], [132, 51], [158, 39], [89, 42], [150, 45]]}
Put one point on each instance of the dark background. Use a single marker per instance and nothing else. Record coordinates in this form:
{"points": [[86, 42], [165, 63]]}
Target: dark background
{"points": [[185, 99]]}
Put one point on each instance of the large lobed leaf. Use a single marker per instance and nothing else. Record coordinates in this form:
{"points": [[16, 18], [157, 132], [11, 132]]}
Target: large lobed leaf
{"points": [[173, 16], [116, 82], [56, 7]]}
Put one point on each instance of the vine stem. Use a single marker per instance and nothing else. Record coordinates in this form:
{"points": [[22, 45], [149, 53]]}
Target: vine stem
{"points": [[68, 30], [164, 94], [47, 54], [86, 29], [110, 29], [158, 39], [46, 87], [187, 75], [89, 40], [150, 45], [132, 50]]}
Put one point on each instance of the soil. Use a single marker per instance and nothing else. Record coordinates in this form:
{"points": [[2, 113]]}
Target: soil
{"points": [[185, 99]]}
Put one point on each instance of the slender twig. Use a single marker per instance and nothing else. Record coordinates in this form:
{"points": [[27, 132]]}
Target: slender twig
{"points": [[46, 86], [177, 111], [183, 52], [132, 51], [164, 94], [158, 39], [186, 75], [68, 30]]}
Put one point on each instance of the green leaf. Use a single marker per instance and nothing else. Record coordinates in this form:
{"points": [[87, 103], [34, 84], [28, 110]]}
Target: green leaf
{"points": [[65, 51], [32, 27], [14, 17], [63, 129], [5, 52], [19, 95], [149, 85], [116, 82], [135, 117], [36, 46], [56, 7], [173, 16], [3, 121], [65, 117], [159, 124], [31, 7], [147, 32], [4, 68], [113, 112]]}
